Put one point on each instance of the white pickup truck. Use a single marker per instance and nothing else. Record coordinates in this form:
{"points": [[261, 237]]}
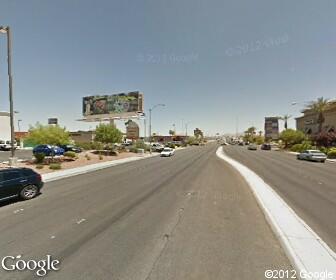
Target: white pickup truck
{"points": [[5, 145]]}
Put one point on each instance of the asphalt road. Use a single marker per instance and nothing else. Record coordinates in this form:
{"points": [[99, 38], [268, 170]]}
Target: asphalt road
{"points": [[190, 216], [21, 154], [308, 187]]}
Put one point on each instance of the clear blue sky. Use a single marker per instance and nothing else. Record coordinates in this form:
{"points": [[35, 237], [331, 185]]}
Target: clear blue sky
{"points": [[208, 61]]}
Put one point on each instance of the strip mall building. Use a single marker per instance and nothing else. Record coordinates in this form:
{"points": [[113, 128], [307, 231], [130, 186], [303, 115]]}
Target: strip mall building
{"points": [[308, 122]]}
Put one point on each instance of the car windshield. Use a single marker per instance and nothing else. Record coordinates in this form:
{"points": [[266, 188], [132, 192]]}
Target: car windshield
{"points": [[166, 149], [315, 152]]}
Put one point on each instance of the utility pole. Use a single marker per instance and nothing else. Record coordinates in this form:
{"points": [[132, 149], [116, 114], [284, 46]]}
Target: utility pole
{"points": [[150, 125], [7, 31]]}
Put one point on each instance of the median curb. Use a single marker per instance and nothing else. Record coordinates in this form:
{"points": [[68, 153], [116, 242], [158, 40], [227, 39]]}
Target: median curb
{"points": [[48, 177], [307, 252]]}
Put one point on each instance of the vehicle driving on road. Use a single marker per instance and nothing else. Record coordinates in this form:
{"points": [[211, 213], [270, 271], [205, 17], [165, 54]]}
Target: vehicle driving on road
{"points": [[252, 147], [312, 155], [19, 182], [266, 147], [167, 152]]}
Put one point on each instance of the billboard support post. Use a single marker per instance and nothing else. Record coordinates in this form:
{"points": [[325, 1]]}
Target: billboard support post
{"points": [[150, 125]]}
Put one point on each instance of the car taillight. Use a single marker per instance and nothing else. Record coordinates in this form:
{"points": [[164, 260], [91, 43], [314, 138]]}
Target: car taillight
{"points": [[39, 177]]}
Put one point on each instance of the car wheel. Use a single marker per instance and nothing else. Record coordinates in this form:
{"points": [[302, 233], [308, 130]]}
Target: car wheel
{"points": [[29, 192]]}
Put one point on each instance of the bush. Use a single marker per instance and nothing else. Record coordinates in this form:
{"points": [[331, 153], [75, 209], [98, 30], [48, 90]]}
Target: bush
{"points": [[85, 145], [332, 153], [39, 157], [101, 157], [291, 137], [39, 166], [133, 149], [55, 166], [70, 154], [87, 157], [324, 150], [301, 147]]}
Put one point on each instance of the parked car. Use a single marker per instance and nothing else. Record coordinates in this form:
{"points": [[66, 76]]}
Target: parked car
{"points": [[312, 155], [252, 147], [19, 182], [71, 148], [48, 150], [157, 147], [5, 145], [266, 147], [167, 152]]}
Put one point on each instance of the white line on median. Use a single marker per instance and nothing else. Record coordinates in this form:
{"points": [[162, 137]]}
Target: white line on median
{"points": [[305, 249]]}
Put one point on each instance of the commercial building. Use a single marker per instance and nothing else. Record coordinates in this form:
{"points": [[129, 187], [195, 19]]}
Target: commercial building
{"points": [[271, 128], [308, 123], [83, 136], [168, 138]]}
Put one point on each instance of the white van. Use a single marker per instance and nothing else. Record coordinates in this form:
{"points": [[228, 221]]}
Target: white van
{"points": [[5, 145]]}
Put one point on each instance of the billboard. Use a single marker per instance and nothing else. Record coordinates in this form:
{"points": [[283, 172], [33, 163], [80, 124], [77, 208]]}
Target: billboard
{"points": [[272, 128], [132, 130], [121, 104], [52, 121]]}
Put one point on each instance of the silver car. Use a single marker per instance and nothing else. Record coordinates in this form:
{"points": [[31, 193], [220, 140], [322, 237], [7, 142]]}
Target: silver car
{"points": [[312, 155]]}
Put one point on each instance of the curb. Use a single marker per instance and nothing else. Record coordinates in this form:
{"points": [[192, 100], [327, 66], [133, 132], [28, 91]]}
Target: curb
{"points": [[307, 252], [48, 177]]}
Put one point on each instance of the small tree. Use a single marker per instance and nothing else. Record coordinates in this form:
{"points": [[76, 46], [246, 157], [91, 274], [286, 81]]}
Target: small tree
{"points": [[325, 139], [320, 106], [291, 137], [108, 134], [48, 134]]}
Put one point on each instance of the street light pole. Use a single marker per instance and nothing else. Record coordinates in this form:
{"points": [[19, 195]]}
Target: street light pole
{"points": [[7, 31], [150, 125], [19, 125]]}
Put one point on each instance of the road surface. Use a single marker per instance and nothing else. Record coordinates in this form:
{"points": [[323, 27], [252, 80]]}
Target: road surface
{"points": [[190, 216], [20, 154], [308, 187]]}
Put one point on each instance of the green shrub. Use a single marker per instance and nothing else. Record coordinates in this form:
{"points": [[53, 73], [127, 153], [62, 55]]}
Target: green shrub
{"points": [[55, 166], [332, 153], [301, 147], [133, 149], [39, 166], [84, 146], [324, 150], [70, 154], [39, 157]]}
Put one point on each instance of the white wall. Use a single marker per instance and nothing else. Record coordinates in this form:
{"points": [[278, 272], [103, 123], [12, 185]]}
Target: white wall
{"points": [[5, 132]]}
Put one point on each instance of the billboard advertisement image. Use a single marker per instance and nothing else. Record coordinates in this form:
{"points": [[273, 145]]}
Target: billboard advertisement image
{"points": [[115, 104]]}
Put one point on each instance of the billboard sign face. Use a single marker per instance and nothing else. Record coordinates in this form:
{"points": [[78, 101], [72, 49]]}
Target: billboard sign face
{"points": [[52, 121], [132, 130], [121, 104], [272, 128]]}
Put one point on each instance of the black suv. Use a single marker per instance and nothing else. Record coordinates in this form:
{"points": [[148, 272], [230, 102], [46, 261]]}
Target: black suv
{"points": [[71, 148], [19, 182]]}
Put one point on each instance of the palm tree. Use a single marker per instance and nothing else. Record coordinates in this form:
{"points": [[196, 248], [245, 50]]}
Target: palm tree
{"points": [[285, 118], [319, 107]]}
